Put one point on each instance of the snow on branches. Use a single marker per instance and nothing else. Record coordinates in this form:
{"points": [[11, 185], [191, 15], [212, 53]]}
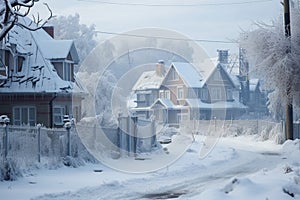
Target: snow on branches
{"points": [[12, 10], [275, 58]]}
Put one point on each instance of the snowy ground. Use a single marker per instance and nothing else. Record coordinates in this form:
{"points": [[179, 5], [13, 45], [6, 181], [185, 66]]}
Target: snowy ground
{"points": [[237, 168]]}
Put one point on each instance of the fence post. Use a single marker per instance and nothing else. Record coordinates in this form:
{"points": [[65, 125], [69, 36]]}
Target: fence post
{"points": [[39, 141], [68, 125], [5, 141], [5, 121], [215, 118]]}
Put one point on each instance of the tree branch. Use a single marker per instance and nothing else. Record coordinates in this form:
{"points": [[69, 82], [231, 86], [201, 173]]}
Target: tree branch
{"points": [[37, 21], [11, 13]]}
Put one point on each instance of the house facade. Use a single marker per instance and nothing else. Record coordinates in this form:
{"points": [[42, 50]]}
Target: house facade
{"points": [[37, 82], [193, 93]]}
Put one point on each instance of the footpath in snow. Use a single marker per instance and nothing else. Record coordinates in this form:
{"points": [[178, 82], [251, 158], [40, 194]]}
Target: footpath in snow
{"points": [[237, 168]]}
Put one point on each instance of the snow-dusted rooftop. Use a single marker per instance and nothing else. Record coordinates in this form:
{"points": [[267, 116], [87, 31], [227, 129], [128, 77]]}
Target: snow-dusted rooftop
{"points": [[167, 103], [148, 80], [189, 74], [37, 73]]}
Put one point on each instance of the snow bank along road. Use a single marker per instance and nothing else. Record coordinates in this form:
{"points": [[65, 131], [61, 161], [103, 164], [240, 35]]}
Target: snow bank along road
{"points": [[188, 178]]}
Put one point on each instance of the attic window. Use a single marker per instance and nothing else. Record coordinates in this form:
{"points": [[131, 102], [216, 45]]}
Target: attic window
{"points": [[173, 75]]}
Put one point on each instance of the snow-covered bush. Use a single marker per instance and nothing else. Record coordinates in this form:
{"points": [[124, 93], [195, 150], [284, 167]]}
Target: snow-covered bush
{"points": [[9, 170]]}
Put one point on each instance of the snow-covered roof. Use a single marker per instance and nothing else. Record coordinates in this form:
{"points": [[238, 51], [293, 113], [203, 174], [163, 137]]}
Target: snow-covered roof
{"points": [[235, 80], [55, 49], [197, 103], [167, 103], [189, 74], [148, 80], [196, 75], [253, 84], [37, 73]]}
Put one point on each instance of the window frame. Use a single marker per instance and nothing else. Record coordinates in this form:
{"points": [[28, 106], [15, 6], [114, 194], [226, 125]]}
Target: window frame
{"points": [[180, 92], [20, 121], [204, 94], [167, 94], [61, 114], [229, 94], [216, 94], [67, 71]]}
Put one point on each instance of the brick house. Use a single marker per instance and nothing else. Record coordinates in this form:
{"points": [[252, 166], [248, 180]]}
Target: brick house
{"points": [[37, 82]]}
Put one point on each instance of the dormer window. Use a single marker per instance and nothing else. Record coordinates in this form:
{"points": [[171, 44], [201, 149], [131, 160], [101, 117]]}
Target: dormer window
{"points": [[64, 69], [67, 71]]}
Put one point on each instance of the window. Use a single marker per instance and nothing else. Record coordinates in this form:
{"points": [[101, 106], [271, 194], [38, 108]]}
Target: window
{"points": [[204, 94], [141, 97], [67, 71], [167, 94], [173, 74], [64, 69], [76, 113], [179, 93], [216, 93], [229, 95], [24, 116], [58, 115], [161, 94]]}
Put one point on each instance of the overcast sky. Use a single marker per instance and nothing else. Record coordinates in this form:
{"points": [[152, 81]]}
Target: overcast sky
{"points": [[212, 22]]}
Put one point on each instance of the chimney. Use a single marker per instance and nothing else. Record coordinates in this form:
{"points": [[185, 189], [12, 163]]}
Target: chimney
{"points": [[160, 68], [223, 56], [49, 30]]}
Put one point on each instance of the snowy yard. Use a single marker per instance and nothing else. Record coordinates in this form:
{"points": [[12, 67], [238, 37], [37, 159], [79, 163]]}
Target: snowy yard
{"points": [[237, 168]]}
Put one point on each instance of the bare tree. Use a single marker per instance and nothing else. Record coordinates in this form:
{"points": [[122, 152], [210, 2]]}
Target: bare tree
{"points": [[12, 10]]}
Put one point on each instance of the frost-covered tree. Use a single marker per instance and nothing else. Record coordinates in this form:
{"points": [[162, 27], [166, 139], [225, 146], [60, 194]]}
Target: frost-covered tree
{"points": [[12, 10], [104, 94], [268, 52], [69, 27]]}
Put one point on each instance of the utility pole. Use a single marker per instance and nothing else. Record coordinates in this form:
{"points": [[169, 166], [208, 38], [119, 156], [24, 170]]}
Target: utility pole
{"points": [[289, 104]]}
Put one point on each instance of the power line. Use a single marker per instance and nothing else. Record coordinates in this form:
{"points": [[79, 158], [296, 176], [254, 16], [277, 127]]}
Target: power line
{"points": [[176, 5], [168, 38]]}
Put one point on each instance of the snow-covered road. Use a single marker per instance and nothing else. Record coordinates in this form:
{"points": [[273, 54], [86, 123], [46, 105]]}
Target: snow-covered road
{"points": [[188, 178]]}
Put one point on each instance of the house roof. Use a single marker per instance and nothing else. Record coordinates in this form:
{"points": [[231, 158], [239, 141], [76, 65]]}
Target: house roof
{"points": [[235, 80], [196, 76], [148, 80], [189, 74], [167, 103], [37, 73]]}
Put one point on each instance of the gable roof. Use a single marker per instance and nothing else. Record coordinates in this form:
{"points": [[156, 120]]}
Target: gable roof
{"points": [[189, 74], [167, 103], [37, 73], [196, 76], [148, 80]]}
